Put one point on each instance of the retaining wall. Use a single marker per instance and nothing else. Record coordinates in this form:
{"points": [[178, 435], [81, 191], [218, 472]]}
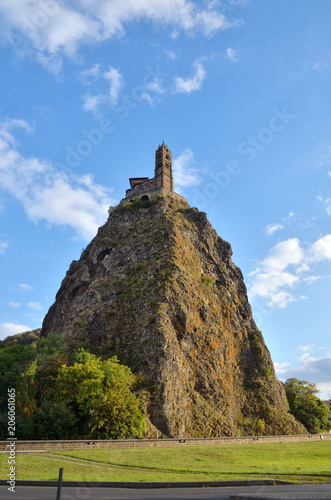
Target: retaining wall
{"points": [[22, 446]]}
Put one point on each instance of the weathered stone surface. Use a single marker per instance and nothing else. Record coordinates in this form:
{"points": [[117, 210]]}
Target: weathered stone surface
{"points": [[158, 288]]}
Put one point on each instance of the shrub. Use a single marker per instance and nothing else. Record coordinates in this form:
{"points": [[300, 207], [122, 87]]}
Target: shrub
{"points": [[208, 280]]}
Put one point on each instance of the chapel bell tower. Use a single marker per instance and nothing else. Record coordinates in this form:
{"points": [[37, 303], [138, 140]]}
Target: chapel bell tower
{"points": [[163, 168]]}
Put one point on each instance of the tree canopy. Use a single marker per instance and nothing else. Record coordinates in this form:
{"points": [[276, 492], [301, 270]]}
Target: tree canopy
{"points": [[62, 394], [101, 390], [312, 412]]}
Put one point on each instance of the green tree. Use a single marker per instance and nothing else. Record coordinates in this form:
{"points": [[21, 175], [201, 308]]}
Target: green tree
{"points": [[15, 358], [52, 353], [36, 383], [312, 412], [53, 420], [25, 394], [101, 391], [31, 368]]}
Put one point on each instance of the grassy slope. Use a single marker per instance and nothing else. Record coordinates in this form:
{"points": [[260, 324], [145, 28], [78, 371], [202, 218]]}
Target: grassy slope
{"points": [[303, 462]]}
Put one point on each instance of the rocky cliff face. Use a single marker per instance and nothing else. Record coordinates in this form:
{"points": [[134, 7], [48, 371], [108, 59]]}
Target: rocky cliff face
{"points": [[158, 288]]}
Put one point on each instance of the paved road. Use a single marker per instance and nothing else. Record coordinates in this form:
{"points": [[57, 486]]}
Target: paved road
{"points": [[317, 492]]}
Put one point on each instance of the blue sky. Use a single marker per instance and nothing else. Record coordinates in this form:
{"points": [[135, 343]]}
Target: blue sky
{"points": [[240, 92]]}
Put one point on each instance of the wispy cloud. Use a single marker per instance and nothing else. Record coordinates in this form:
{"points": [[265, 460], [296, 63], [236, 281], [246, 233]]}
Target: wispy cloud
{"points": [[311, 279], [3, 247], [326, 202], [56, 29], [319, 65], [272, 228], [232, 54], [324, 159], [35, 305], [48, 195], [154, 86], [89, 75], [93, 102], [190, 84], [115, 79], [101, 96], [25, 287], [107, 85], [15, 305]]}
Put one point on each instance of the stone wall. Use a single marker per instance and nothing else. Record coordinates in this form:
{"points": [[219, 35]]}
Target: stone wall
{"points": [[140, 189], [22, 446], [149, 191]]}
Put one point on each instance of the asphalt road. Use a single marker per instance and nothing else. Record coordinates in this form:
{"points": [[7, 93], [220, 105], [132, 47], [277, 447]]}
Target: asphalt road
{"points": [[316, 492]]}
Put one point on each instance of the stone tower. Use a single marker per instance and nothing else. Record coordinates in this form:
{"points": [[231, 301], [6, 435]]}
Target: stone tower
{"points": [[163, 168]]}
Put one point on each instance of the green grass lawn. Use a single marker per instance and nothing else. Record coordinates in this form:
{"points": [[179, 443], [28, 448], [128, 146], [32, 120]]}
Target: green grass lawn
{"points": [[297, 462]]}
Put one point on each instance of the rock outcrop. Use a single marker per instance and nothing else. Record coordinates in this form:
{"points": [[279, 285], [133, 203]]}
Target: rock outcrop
{"points": [[157, 287]]}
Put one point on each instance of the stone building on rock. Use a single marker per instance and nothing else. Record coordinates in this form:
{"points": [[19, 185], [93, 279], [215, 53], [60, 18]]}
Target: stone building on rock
{"points": [[162, 182]]}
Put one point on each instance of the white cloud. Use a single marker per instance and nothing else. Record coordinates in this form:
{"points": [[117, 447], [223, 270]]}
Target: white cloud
{"points": [[315, 370], [321, 249], [171, 54], [304, 356], [280, 300], [101, 96], [24, 287], [283, 254], [326, 202], [319, 65], [89, 75], [311, 279], [283, 268], [47, 195], [35, 305], [266, 284], [211, 22], [56, 28], [325, 159], [146, 97], [15, 305], [7, 329], [281, 368], [3, 247], [155, 86], [188, 85], [272, 228], [185, 174], [232, 54], [115, 79], [107, 86], [93, 102]]}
